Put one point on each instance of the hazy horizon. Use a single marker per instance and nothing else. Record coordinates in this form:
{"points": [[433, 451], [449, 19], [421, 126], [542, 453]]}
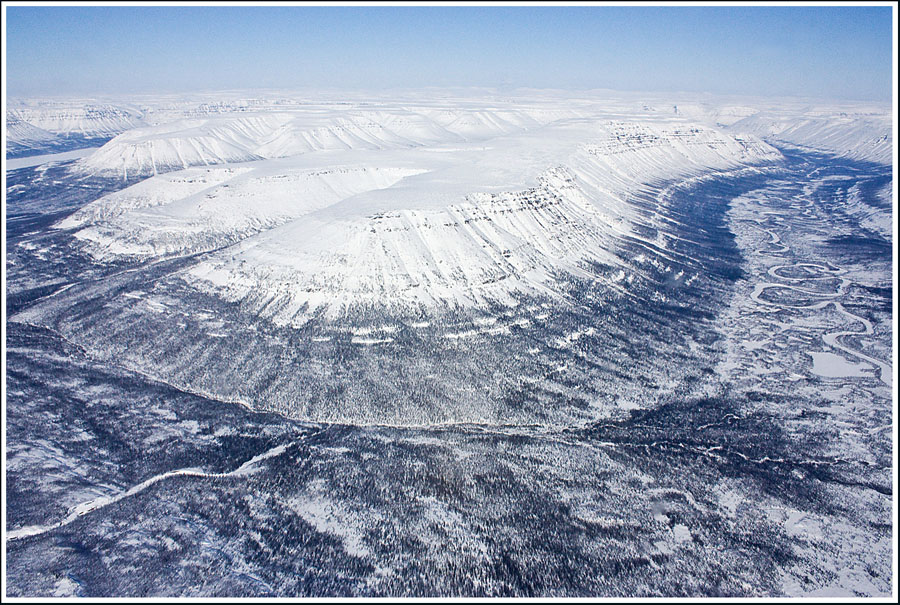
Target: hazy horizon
{"points": [[814, 52], [357, 95]]}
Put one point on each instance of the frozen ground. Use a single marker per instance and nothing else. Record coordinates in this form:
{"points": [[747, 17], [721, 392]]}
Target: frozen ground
{"points": [[603, 351]]}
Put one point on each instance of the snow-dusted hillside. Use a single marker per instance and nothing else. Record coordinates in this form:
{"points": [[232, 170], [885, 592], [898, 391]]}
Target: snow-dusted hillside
{"points": [[323, 207], [76, 119], [21, 132], [857, 135], [403, 250], [200, 209], [21, 136], [241, 136], [412, 245], [172, 146], [178, 131], [40, 127]]}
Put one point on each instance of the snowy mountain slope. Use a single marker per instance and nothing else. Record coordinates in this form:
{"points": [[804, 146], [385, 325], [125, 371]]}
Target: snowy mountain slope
{"points": [[718, 114], [155, 191], [862, 136], [476, 253], [872, 212], [22, 136], [485, 247], [41, 127], [384, 130], [471, 318], [455, 282], [457, 225], [177, 145], [76, 119], [198, 209], [21, 132], [243, 136]]}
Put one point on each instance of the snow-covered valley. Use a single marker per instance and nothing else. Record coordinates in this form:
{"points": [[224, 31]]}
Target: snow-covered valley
{"points": [[307, 344]]}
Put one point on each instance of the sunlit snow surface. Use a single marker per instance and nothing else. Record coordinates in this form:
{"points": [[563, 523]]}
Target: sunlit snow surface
{"points": [[449, 346]]}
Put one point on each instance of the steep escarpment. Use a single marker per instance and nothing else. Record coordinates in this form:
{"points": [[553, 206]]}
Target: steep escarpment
{"points": [[34, 128], [519, 279], [487, 247], [244, 136], [860, 135]]}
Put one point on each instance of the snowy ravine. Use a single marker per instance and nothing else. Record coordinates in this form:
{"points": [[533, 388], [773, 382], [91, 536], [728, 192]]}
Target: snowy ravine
{"points": [[468, 347]]}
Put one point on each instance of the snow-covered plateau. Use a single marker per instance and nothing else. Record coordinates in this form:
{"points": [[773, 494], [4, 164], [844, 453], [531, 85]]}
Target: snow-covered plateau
{"points": [[411, 225]]}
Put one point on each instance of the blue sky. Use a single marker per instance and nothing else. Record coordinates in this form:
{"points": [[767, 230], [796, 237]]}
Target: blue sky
{"points": [[824, 52]]}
